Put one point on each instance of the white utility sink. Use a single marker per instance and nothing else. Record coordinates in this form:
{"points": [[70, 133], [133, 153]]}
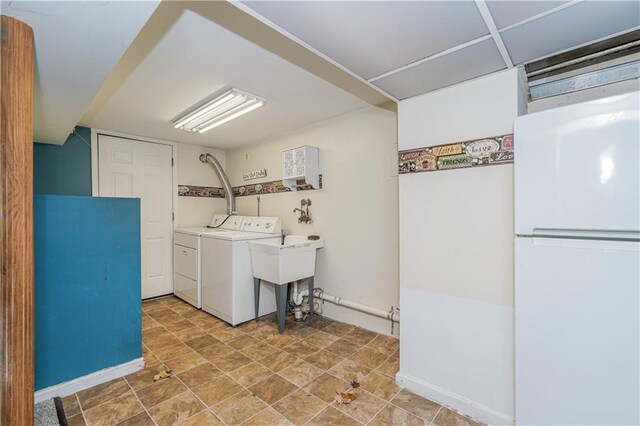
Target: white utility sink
{"points": [[281, 264]]}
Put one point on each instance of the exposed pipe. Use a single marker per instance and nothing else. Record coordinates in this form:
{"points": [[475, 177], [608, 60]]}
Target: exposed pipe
{"points": [[228, 192], [392, 314]]}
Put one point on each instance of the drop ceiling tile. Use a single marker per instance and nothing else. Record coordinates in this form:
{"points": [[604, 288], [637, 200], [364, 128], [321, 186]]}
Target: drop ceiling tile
{"points": [[471, 62], [373, 37], [509, 12], [581, 23]]}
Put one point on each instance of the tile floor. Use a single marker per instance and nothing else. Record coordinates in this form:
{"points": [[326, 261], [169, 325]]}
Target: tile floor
{"points": [[251, 375]]}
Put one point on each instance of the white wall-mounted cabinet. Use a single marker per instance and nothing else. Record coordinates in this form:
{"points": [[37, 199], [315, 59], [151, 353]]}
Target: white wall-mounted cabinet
{"points": [[298, 163]]}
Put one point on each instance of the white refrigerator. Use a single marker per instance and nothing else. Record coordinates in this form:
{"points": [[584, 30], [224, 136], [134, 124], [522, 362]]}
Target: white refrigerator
{"points": [[577, 269]]}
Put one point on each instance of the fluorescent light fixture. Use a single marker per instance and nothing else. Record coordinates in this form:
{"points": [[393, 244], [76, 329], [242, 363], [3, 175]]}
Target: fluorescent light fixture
{"points": [[229, 105]]}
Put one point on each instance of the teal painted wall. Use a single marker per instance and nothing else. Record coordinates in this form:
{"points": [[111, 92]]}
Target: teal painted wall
{"points": [[66, 169], [87, 285]]}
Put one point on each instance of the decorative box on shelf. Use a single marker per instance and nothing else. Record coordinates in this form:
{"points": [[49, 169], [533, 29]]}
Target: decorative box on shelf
{"points": [[301, 162]]}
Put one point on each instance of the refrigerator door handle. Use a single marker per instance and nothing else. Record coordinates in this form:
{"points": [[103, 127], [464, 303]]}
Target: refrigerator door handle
{"points": [[582, 234]]}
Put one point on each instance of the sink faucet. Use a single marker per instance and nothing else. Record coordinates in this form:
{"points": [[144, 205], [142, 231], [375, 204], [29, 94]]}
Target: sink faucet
{"points": [[304, 216]]}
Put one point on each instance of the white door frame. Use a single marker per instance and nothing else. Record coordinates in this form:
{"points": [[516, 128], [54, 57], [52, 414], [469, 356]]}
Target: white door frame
{"points": [[95, 191]]}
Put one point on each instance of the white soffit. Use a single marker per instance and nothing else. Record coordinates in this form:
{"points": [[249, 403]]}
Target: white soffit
{"points": [[464, 64], [508, 12], [77, 44], [196, 57], [373, 37], [570, 27]]}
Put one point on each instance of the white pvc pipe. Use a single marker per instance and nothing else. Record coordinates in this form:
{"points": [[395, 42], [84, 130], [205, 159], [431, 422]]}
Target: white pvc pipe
{"points": [[390, 315]]}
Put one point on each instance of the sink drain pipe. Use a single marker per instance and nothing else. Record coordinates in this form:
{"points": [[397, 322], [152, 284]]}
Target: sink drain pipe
{"points": [[392, 314]]}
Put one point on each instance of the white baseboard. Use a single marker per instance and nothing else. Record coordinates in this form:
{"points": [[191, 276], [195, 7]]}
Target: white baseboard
{"points": [[85, 382], [454, 401]]}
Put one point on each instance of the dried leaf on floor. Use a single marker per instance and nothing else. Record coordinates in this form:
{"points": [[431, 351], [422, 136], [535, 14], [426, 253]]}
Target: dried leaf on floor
{"points": [[164, 374]]}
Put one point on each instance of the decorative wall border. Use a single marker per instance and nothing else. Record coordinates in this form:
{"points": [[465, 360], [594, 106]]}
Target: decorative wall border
{"points": [[491, 151], [272, 187]]}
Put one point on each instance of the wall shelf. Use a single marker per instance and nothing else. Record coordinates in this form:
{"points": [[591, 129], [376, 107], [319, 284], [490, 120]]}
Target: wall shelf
{"points": [[301, 162]]}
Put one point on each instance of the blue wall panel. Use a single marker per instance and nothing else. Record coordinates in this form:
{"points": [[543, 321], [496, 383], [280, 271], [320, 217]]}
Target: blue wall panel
{"points": [[87, 285], [66, 169]]}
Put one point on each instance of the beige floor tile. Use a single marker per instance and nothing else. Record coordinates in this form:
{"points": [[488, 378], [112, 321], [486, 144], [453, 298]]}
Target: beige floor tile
{"points": [[301, 332], [77, 420], [302, 348], [199, 375], [360, 336], [326, 386], [281, 341], [203, 418], [363, 408], [158, 342], [202, 342], [190, 333], [369, 357], [140, 419], [225, 334], [416, 405], [267, 417], [321, 339], [149, 358], [385, 344], [182, 324], [382, 386], [231, 362], [148, 322], [99, 394], [299, 407], [185, 362], [71, 405], [273, 389], [217, 390], [392, 415], [343, 347], [447, 417], [300, 373], [250, 374], [264, 333], [338, 329], [173, 351], [176, 409], [216, 351], [319, 322], [144, 377], [160, 391], [350, 371], [259, 351], [277, 361], [324, 360], [238, 408], [332, 417], [390, 367], [114, 411], [249, 326], [242, 342]]}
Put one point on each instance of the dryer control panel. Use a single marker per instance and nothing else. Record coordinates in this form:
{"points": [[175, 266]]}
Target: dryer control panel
{"points": [[234, 222], [264, 225]]}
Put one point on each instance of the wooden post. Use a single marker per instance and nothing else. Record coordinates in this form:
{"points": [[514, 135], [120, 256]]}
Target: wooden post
{"points": [[16, 184]]}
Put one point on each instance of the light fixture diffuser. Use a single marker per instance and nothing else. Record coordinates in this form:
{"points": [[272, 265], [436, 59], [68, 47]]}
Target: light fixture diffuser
{"points": [[223, 108]]}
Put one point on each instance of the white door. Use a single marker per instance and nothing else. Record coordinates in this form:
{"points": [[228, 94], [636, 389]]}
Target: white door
{"points": [[577, 334], [131, 168], [577, 167]]}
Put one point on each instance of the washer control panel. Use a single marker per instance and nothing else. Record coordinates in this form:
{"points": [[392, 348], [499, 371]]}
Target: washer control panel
{"points": [[265, 225]]}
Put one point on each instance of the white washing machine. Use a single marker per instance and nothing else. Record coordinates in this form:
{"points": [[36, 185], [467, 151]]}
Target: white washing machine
{"points": [[186, 256], [227, 278]]}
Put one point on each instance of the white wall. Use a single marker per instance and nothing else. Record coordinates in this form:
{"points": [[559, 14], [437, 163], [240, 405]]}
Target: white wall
{"points": [[456, 253], [356, 212], [197, 211]]}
